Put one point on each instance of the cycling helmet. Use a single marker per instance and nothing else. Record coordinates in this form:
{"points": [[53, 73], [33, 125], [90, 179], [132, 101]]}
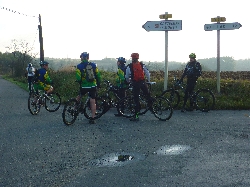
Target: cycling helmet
{"points": [[121, 59], [192, 55], [135, 55], [84, 55], [30, 65], [43, 63]]}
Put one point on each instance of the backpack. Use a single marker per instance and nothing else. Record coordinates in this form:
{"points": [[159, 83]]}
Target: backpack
{"points": [[90, 75], [30, 70], [137, 74]]}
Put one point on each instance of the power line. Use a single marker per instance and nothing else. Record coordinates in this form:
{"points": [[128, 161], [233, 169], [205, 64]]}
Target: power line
{"points": [[16, 12]]}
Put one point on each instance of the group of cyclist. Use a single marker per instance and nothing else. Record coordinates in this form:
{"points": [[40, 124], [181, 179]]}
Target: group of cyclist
{"points": [[133, 73]]}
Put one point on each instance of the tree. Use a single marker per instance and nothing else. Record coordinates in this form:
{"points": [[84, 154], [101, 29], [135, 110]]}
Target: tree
{"points": [[22, 56]]}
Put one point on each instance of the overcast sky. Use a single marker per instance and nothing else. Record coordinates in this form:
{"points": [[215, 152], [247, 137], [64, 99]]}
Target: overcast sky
{"points": [[113, 28]]}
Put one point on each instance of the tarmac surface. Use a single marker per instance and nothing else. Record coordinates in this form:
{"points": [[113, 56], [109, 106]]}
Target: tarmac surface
{"points": [[190, 149]]}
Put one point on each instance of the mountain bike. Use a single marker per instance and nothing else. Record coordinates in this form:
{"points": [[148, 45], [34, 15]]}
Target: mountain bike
{"points": [[203, 99], [111, 96], [74, 107], [160, 106], [38, 99]]}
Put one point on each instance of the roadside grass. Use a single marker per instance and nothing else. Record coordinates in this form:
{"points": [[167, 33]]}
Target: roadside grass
{"points": [[234, 94]]}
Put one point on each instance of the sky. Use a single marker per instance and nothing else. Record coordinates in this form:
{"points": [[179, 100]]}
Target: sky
{"points": [[113, 28]]}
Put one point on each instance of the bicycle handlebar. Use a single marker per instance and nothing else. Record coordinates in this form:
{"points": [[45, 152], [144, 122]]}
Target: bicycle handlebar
{"points": [[151, 83]]}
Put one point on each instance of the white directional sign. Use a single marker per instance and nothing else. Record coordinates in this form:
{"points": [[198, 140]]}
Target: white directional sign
{"points": [[222, 26], [166, 25]]}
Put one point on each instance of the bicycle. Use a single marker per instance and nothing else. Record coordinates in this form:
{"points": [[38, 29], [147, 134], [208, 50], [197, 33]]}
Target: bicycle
{"points": [[160, 107], [38, 99], [73, 107], [111, 96], [203, 99]]}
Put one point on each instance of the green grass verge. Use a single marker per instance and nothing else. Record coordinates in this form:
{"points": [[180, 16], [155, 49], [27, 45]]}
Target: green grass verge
{"points": [[234, 94]]}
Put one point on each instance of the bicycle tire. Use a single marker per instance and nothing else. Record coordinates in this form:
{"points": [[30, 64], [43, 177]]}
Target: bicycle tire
{"points": [[108, 103], [126, 106], [70, 111], [162, 108], [100, 109], [173, 96], [204, 100], [52, 102], [33, 104]]}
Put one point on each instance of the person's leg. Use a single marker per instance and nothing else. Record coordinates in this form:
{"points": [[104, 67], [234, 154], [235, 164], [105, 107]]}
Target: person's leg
{"points": [[187, 91], [191, 91], [92, 107], [29, 82], [146, 92], [92, 94], [136, 92]]}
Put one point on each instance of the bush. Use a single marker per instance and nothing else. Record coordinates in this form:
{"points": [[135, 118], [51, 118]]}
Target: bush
{"points": [[234, 94]]}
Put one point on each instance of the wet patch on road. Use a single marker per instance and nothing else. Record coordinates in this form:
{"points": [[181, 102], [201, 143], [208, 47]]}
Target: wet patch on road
{"points": [[116, 159], [172, 149]]}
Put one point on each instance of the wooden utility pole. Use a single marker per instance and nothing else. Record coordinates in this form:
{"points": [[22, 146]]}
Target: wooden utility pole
{"points": [[41, 39]]}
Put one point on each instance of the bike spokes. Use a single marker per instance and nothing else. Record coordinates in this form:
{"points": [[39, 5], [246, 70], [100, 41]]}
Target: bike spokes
{"points": [[205, 100], [33, 104], [162, 109], [126, 107], [100, 109], [52, 102], [70, 112]]}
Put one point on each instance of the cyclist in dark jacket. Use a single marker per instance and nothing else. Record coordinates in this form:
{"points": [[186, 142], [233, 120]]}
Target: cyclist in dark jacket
{"points": [[120, 79], [193, 72]]}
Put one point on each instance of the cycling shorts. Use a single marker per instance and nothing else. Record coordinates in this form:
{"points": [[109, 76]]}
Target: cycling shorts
{"points": [[91, 91]]}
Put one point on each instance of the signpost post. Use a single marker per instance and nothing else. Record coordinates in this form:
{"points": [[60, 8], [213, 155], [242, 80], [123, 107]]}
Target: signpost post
{"points": [[166, 25], [220, 26]]}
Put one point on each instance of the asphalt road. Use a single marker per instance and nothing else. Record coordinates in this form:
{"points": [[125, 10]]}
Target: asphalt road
{"points": [[191, 149]]}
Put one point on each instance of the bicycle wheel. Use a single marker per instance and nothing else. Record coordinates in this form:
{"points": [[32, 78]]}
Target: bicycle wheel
{"points": [[101, 108], [52, 102], [126, 106], [108, 104], [204, 100], [70, 111], [173, 96], [33, 104], [162, 108]]}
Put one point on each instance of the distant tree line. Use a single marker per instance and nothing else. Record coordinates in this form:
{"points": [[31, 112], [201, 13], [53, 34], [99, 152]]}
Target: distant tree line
{"points": [[14, 63], [109, 64]]}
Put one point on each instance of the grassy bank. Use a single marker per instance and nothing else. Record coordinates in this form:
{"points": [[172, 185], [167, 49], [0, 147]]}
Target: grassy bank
{"points": [[234, 94]]}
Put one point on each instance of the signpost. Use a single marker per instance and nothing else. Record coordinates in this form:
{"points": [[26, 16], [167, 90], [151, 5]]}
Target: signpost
{"points": [[164, 25], [170, 25], [220, 26]]}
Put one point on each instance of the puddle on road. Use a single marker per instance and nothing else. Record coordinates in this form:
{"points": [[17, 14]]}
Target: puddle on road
{"points": [[116, 159], [172, 149]]}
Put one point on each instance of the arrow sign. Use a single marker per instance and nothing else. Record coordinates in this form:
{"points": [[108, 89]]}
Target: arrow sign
{"points": [[166, 25], [222, 26]]}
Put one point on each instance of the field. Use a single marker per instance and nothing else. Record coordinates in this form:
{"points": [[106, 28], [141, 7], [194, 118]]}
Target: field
{"points": [[234, 87]]}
